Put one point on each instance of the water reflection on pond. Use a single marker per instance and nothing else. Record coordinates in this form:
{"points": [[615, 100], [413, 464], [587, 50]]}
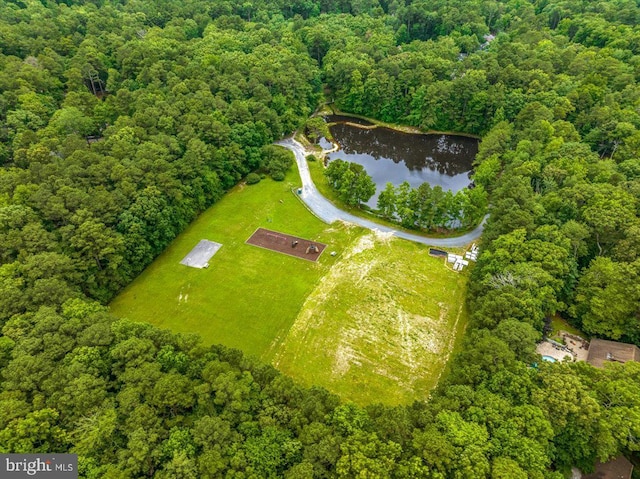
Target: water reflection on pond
{"points": [[325, 144], [349, 119], [392, 156]]}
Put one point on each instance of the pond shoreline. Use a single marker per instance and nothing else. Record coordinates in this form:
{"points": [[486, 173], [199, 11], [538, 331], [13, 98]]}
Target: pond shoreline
{"points": [[365, 212], [328, 212], [392, 126], [394, 156], [322, 152]]}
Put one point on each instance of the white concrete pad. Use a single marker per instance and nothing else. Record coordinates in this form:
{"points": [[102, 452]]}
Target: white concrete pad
{"points": [[200, 255]]}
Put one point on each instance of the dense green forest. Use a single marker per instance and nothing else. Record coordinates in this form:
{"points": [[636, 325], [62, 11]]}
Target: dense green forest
{"points": [[121, 120]]}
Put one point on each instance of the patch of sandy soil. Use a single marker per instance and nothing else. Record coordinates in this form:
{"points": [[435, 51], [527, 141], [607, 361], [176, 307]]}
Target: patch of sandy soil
{"points": [[391, 341], [182, 296]]}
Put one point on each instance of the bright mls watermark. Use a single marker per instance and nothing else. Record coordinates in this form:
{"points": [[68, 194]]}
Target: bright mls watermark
{"points": [[45, 466]]}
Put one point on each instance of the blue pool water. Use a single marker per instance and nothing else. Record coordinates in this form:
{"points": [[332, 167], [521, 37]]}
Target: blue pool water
{"points": [[549, 358]]}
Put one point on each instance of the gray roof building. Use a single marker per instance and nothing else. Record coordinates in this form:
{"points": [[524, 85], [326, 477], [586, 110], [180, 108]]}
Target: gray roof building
{"points": [[618, 468], [602, 351]]}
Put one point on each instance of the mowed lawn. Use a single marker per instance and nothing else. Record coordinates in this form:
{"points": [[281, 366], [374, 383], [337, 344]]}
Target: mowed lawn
{"points": [[249, 296], [374, 323]]}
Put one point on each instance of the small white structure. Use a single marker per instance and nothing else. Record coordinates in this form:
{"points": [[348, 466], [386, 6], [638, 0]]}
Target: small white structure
{"points": [[472, 254], [452, 258], [460, 264]]}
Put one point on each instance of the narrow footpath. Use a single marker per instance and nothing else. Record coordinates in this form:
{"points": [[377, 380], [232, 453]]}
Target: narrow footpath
{"points": [[328, 212]]}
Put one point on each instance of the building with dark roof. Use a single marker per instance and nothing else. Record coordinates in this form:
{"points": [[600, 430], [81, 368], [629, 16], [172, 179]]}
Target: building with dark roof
{"points": [[602, 351], [618, 468]]}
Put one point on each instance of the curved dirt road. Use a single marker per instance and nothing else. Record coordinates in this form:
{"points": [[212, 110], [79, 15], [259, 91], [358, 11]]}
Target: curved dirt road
{"points": [[327, 211]]}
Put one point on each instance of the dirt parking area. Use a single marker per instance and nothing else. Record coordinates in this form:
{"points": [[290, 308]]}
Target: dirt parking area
{"points": [[287, 244]]}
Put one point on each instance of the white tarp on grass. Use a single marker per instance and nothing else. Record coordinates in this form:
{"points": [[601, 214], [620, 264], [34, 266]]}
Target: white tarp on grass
{"points": [[199, 256]]}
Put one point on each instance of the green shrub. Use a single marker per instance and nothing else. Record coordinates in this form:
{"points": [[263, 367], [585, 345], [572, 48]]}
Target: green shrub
{"points": [[278, 175], [253, 178]]}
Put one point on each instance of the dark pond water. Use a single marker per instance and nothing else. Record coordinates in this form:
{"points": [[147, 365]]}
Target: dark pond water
{"points": [[350, 119], [392, 156]]}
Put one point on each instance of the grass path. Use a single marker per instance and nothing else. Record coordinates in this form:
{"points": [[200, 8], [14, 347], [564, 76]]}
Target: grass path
{"points": [[332, 110]]}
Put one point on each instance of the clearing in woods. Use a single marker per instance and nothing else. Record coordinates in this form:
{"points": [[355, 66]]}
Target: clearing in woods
{"points": [[374, 323], [380, 326], [247, 296]]}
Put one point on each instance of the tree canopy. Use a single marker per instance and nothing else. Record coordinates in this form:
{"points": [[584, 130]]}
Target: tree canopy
{"points": [[120, 121]]}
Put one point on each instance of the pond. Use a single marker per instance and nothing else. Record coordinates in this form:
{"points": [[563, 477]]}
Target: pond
{"points": [[392, 156]]}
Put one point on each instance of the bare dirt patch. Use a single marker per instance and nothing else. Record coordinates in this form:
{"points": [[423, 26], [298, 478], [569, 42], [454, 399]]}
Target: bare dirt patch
{"points": [[287, 244]]}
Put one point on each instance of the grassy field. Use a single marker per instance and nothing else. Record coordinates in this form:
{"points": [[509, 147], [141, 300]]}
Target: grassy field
{"points": [[248, 296], [558, 324], [375, 322], [380, 325]]}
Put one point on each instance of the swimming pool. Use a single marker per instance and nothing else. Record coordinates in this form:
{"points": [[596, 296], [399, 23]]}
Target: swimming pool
{"points": [[549, 358]]}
